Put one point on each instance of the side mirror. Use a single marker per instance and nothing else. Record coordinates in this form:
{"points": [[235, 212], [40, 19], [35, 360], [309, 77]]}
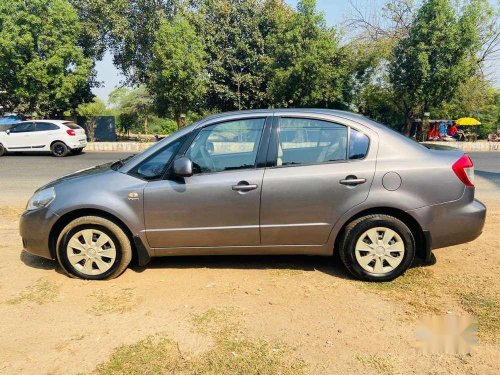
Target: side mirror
{"points": [[183, 167], [8, 131]]}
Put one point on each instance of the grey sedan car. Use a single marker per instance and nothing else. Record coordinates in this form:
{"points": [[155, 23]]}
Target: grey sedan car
{"points": [[309, 182]]}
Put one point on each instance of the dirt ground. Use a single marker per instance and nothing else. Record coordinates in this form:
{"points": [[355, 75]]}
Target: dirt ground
{"points": [[51, 324]]}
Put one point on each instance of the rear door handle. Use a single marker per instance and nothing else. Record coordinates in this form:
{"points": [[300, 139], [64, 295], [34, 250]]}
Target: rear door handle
{"points": [[244, 186], [353, 181]]}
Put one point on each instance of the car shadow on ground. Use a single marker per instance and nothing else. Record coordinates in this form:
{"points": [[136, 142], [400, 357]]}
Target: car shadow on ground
{"points": [[328, 265]]}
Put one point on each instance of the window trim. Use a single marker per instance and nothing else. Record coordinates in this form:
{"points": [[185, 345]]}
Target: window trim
{"points": [[260, 157], [272, 156]]}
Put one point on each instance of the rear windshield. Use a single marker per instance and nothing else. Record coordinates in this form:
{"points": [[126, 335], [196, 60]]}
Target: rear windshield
{"points": [[71, 125]]}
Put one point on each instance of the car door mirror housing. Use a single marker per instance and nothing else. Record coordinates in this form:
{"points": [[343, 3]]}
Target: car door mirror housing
{"points": [[8, 131], [183, 167]]}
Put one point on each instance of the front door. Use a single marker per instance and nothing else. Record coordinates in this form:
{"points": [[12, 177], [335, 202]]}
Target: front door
{"points": [[220, 204], [321, 171], [21, 137]]}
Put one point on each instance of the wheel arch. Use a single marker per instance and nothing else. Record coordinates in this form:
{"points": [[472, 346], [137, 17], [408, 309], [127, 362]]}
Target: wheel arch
{"points": [[72, 215], [422, 238]]}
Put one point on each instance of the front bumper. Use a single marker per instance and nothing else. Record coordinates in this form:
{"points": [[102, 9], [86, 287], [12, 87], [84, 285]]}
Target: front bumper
{"points": [[452, 223], [34, 228]]}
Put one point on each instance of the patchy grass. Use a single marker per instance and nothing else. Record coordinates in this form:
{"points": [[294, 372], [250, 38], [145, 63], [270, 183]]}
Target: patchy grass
{"points": [[41, 292], [230, 354], [116, 301], [480, 298], [421, 293], [417, 289], [154, 355], [381, 364]]}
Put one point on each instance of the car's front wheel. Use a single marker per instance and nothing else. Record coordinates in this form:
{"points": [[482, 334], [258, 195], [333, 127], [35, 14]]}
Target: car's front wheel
{"points": [[3, 151], [59, 149], [93, 248], [377, 248]]}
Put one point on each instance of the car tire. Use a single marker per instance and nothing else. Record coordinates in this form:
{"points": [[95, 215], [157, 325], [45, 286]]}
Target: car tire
{"points": [[93, 248], [76, 151], [59, 149], [377, 248], [3, 151]]}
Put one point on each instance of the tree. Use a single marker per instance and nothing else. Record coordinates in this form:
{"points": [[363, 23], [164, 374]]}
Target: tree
{"points": [[237, 60], [177, 70], [438, 55], [132, 104], [308, 66], [42, 67], [90, 111]]}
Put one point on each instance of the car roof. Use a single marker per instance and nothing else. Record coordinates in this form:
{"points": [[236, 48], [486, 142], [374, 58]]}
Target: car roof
{"points": [[57, 122], [283, 111]]}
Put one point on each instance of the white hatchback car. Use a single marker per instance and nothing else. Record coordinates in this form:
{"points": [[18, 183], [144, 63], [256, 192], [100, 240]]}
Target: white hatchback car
{"points": [[57, 136]]}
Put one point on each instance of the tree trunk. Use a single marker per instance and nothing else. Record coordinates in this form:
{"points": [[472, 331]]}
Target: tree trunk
{"points": [[146, 124]]}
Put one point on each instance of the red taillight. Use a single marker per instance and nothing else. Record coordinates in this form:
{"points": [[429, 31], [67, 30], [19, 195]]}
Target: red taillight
{"points": [[464, 169], [71, 132]]}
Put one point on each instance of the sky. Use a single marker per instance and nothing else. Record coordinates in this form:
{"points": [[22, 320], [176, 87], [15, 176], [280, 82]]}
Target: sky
{"points": [[335, 11]]}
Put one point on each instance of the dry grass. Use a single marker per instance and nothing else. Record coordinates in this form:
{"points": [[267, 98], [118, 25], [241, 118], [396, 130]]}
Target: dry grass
{"points": [[41, 292], [381, 364], [421, 294], [117, 301], [417, 289], [230, 354], [479, 297]]}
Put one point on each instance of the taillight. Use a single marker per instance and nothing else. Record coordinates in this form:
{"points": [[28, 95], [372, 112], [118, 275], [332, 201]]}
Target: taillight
{"points": [[71, 132], [464, 169]]}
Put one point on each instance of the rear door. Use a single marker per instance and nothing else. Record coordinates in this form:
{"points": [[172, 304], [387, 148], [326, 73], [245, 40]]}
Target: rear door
{"points": [[45, 133], [320, 169]]}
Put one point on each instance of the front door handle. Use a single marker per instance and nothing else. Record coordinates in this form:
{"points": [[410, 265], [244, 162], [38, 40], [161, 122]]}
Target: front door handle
{"points": [[244, 186], [353, 181]]}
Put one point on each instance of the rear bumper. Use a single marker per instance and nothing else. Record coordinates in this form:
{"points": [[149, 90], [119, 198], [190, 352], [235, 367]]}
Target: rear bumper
{"points": [[76, 144], [34, 228], [452, 223]]}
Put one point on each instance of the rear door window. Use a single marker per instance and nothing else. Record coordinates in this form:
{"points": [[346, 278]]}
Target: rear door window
{"points": [[45, 126], [310, 141]]}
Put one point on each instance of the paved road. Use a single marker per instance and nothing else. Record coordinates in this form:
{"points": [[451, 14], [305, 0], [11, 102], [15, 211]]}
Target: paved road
{"points": [[20, 175], [487, 165]]}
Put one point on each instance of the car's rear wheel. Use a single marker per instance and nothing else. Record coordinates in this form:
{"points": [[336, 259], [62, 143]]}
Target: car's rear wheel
{"points": [[3, 151], [93, 248], [377, 248], [76, 151], [59, 149]]}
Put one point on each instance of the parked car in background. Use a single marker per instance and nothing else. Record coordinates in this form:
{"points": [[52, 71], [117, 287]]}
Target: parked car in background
{"points": [[56, 136], [262, 182]]}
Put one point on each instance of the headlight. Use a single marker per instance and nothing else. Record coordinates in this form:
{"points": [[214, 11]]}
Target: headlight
{"points": [[41, 199]]}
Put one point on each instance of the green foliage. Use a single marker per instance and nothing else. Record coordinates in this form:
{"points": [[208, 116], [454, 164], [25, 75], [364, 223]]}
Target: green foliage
{"points": [[95, 108], [177, 71], [308, 67], [42, 67], [438, 54]]}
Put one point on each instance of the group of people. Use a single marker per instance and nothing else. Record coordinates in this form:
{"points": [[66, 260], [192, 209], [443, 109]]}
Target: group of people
{"points": [[445, 131]]}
